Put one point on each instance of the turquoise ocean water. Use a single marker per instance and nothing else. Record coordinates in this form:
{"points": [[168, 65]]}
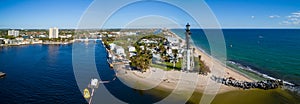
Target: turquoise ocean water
{"points": [[273, 52]]}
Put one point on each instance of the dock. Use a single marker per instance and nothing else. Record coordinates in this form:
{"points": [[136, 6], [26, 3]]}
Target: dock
{"points": [[2, 74]]}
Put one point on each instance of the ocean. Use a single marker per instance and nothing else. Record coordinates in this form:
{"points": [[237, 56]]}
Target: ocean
{"points": [[44, 73], [272, 52]]}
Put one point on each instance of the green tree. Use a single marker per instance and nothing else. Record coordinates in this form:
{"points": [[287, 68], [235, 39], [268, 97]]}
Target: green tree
{"points": [[204, 69]]}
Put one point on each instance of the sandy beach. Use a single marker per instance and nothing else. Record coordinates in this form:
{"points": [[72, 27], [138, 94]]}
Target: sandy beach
{"points": [[170, 79], [192, 87], [181, 81]]}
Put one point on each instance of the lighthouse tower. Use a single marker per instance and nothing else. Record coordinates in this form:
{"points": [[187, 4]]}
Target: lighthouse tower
{"points": [[188, 59]]}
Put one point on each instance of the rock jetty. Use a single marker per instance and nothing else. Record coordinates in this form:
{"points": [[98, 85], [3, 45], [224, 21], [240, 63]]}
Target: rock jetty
{"points": [[266, 84]]}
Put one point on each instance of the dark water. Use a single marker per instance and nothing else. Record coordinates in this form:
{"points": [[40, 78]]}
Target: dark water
{"points": [[38, 74], [275, 52], [44, 74]]}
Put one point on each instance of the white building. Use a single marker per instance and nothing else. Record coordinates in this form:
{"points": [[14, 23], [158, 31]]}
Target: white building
{"points": [[94, 83], [169, 51], [173, 40], [146, 41], [69, 36], [42, 36], [2, 41], [129, 33], [63, 36], [117, 33], [14, 33], [120, 51], [131, 49], [112, 46], [53, 32]]}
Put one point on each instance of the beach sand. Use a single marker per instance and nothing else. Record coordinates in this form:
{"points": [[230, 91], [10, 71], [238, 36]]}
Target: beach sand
{"points": [[181, 80], [169, 79], [184, 84]]}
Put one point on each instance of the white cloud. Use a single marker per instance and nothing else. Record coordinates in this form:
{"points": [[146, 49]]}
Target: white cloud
{"points": [[274, 16], [252, 17], [296, 13], [293, 19], [296, 16]]}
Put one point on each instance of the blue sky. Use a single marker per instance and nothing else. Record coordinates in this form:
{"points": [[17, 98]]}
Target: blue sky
{"points": [[229, 13]]}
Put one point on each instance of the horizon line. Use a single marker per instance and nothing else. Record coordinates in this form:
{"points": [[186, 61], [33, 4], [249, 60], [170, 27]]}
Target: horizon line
{"points": [[153, 28]]}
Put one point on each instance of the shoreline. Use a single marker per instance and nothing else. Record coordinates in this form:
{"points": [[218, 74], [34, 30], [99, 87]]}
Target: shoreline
{"points": [[286, 85], [43, 43], [201, 52], [172, 76], [170, 80], [244, 67]]}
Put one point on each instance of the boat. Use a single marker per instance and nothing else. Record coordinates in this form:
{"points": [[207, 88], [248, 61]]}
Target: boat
{"points": [[109, 55], [110, 63], [111, 66], [86, 93], [2, 74]]}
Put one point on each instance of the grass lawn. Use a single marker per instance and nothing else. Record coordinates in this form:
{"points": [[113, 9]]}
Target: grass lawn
{"points": [[168, 66]]}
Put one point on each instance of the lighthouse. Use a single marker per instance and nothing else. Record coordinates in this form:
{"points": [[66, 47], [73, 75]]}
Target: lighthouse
{"points": [[188, 63]]}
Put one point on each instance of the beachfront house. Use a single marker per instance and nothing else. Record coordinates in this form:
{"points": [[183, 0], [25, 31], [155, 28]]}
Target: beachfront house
{"points": [[42, 36], [120, 51], [20, 40], [116, 33], [2, 41], [11, 42], [62, 36], [146, 41], [132, 54], [69, 36], [129, 33], [112, 46], [169, 52], [173, 42], [132, 51], [110, 35], [142, 47], [156, 58]]}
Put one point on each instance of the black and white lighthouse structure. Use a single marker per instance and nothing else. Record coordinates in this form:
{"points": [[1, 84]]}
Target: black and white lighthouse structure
{"points": [[188, 59]]}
